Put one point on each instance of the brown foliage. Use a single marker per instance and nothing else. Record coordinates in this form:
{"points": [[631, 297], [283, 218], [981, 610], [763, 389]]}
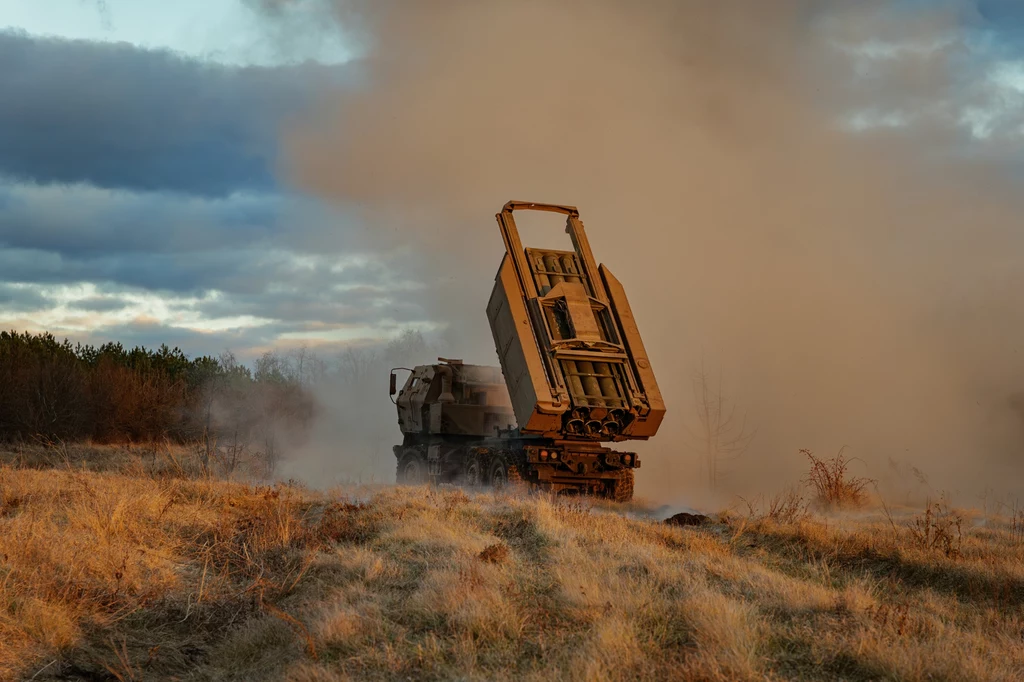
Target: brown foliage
{"points": [[131, 405], [52, 391]]}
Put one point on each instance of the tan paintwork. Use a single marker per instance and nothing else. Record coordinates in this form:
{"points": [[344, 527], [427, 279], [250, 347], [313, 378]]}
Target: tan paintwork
{"points": [[568, 344], [647, 425], [538, 409]]}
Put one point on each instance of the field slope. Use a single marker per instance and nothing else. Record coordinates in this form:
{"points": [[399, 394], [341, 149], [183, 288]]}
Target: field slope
{"points": [[130, 564]]}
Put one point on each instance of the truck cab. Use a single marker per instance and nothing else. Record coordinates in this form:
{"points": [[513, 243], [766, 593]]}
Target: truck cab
{"points": [[454, 399]]}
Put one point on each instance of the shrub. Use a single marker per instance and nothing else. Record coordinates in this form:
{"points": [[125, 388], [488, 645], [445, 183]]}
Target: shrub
{"points": [[832, 484]]}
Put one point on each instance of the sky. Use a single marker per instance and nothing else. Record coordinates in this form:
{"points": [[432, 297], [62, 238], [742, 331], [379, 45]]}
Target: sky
{"points": [[221, 31], [142, 192], [138, 192]]}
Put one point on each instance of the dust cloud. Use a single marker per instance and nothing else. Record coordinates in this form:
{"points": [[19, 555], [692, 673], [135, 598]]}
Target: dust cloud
{"points": [[855, 288], [351, 439]]}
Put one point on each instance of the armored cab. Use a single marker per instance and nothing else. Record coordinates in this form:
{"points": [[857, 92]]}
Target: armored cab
{"points": [[568, 345], [454, 399]]}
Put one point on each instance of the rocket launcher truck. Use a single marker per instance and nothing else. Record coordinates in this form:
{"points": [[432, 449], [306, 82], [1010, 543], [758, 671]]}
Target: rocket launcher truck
{"points": [[574, 375]]}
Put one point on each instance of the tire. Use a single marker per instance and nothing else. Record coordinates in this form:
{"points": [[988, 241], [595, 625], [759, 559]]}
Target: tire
{"points": [[497, 472], [412, 468], [473, 473], [620, 488]]}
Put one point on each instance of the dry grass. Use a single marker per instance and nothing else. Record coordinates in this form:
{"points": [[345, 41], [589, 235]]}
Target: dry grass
{"points": [[142, 572]]}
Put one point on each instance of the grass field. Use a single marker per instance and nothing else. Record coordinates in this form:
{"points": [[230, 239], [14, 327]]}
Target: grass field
{"points": [[130, 564]]}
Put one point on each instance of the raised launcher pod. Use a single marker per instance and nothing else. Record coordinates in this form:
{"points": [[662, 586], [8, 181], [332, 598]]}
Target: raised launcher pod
{"points": [[569, 348]]}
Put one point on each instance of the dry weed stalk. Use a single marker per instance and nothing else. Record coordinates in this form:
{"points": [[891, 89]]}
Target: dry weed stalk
{"points": [[788, 506], [123, 671], [1016, 516], [938, 527]]}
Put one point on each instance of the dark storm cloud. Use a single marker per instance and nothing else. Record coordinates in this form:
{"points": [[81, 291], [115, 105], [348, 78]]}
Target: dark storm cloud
{"points": [[115, 115], [14, 298], [80, 221], [1004, 14], [84, 221], [162, 242], [181, 274]]}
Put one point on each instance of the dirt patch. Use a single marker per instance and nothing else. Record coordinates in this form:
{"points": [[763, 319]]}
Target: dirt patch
{"points": [[686, 519]]}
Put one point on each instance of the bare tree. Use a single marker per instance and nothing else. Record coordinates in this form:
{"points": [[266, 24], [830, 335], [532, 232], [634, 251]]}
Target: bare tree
{"points": [[310, 368], [721, 435], [358, 366]]}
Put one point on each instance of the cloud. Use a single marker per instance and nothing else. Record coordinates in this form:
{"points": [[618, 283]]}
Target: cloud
{"points": [[161, 241], [83, 220], [80, 259], [138, 201], [101, 304], [19, 298], [117, 116], [1005, 15], [259, 286]]}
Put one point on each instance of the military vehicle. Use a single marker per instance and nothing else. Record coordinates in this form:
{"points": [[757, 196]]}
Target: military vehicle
{"points": [[574, 374]]}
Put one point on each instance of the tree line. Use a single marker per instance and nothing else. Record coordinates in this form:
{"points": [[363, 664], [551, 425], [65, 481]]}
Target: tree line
{"points": [[51, 389]]}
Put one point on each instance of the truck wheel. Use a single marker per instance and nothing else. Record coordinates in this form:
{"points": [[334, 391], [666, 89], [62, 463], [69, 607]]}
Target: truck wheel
{"points": [[412, 468], [497, 472], [473, 475], [620, 488]]}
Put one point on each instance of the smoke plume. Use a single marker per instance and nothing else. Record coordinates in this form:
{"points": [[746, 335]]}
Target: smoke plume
{"points": [[786, 189]]}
